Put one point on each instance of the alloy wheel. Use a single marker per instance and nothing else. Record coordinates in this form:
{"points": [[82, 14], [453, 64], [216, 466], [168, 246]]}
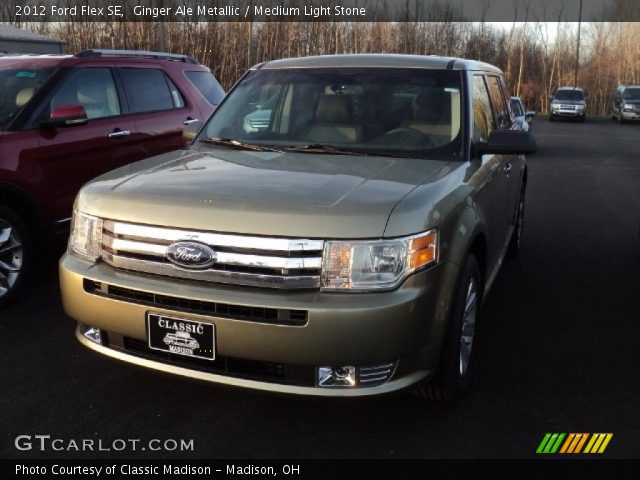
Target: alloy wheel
{"points": [[468, 326], [11, 256]]}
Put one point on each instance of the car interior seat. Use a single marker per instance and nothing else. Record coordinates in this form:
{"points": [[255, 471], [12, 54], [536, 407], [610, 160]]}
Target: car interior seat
{"points": [[24, 96], [332, 123], [94, 98], [433, 114]]}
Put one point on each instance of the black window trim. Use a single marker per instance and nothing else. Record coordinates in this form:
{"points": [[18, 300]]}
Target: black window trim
{"points": [[493, 107], [483, 76]]}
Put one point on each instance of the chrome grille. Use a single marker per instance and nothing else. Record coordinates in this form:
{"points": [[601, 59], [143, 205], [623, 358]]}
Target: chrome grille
{"points": [[568, 107], [241, 260], [375, 374], [259, 123]]}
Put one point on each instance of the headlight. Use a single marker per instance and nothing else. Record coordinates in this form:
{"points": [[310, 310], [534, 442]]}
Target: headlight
{"points": [[581, 107], [362, 265], [86, 236], [627, 106]]}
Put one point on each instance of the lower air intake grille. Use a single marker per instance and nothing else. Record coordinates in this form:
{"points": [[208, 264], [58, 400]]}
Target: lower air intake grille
{"points": [[229, 366], [278, 316], [375, 374]]}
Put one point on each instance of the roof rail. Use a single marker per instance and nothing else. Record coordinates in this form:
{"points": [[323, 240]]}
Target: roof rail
{"points": [[136, 53]]}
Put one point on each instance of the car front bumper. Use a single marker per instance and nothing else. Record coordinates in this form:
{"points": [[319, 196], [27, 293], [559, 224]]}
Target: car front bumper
{"points": [[404, 327], [568, 113], [631, 115]]}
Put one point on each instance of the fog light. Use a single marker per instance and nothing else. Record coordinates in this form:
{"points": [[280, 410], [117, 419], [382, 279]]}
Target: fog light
{"points": [[91, 333], [337, 376]]}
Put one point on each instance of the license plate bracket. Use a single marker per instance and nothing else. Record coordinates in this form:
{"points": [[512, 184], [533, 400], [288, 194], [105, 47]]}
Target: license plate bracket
{"points": [[180, 336]]}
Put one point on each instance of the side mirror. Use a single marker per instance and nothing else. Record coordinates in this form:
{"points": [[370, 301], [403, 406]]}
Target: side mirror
{"points": [[66, 116], [529, 115], [507, 142]]}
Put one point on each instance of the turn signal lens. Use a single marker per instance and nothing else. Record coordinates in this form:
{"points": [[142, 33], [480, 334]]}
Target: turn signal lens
{"points": [[424, 250], [85, 238]]}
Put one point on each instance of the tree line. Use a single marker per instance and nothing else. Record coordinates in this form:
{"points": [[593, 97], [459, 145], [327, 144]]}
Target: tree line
{"points": [[536, 57]]}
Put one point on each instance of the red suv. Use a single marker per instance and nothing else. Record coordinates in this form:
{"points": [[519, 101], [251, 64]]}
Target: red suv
{"points": [[67, 119]]}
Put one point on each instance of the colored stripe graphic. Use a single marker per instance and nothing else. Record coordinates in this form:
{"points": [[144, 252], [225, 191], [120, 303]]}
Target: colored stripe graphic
{"points": [[598, 442], [581, 442], [543, 443], [550, 443], [574, 443]]}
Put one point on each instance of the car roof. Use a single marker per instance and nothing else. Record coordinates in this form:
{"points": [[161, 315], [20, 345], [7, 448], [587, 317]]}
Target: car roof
{"points": [[378, 60], [121, 56], [32, 60], [578, 89]]}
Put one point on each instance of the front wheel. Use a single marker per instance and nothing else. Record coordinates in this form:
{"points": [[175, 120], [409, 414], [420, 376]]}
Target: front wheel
{"points": [[15, 254], [452, 378]]}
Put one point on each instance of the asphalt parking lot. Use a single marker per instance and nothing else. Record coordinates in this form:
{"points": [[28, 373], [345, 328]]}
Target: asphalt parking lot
{"points": [[557, 347]]}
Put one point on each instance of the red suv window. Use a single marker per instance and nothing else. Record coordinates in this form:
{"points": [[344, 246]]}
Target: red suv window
{"points": [[93, 88], [150, 90], [207, 85]]}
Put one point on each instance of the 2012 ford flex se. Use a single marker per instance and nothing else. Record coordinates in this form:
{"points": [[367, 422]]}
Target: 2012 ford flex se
{"points": [[342, 246]]}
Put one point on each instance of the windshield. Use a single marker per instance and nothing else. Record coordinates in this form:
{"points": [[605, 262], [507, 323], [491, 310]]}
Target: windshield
{"points": [[631, 94], [516, 106], [17, 87], [394, 112], [569, 95]]}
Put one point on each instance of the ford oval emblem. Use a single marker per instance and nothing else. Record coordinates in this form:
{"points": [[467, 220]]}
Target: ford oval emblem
{"points": [[191, 255]]}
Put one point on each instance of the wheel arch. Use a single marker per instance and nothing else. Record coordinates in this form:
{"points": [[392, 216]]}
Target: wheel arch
{"points": [[23, 204]]}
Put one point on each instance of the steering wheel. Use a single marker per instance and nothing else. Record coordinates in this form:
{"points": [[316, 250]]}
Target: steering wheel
{"points": [[411, 136]]}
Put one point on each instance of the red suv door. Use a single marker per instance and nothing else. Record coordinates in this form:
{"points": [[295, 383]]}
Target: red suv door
{"points": [[159, 109], [70, 156]]}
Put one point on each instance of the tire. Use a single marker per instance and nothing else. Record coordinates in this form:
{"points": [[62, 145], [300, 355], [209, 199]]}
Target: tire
{"points": [[621, 120], [552, 118], [453, 375], [15, 255], [516, 238], [583, 119]]}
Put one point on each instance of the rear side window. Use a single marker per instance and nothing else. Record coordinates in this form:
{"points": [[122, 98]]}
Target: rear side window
{"points": [[207, 85], [500, 109], [150, 90], [482, 116]]}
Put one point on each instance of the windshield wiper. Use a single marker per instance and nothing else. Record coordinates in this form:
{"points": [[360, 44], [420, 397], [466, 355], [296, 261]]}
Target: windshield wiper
{"points": [[232, 143], [319, 148]]}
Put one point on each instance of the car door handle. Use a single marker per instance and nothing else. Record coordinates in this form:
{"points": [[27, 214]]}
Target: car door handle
{"points": [[189, 121], [120, 133], [507, 168]]}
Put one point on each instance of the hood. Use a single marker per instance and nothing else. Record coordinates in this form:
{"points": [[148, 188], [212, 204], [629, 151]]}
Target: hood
{"points": [[260, 193]]}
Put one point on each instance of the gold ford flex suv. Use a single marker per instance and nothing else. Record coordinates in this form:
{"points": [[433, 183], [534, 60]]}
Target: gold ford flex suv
{"points": [[340, 246]]}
